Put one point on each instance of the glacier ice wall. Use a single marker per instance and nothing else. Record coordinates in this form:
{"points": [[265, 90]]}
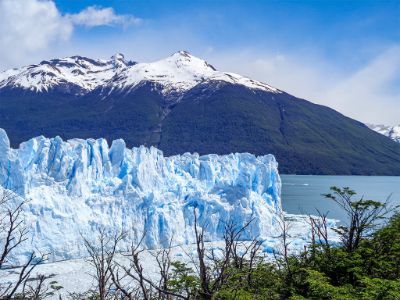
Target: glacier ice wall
{"points": [[75, 187]]}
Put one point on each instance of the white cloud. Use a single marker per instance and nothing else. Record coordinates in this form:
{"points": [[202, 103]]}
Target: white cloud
{"points": [[30, 30], [97, 16], [30, 27], [368, 93]]}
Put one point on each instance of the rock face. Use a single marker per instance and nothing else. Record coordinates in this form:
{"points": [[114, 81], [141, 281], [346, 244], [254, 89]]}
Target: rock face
{"points": [[77, 186]]}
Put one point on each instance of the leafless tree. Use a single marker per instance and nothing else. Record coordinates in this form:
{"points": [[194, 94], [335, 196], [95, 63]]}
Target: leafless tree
{"points": [[204, 274], [282, 254], [164, 264], [12, 227], [35, 289], [13, 232], [215, 265], [131, 281], [102, 252], [319, 230]]}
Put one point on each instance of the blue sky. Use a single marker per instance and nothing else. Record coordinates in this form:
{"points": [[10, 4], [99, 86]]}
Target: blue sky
{"points": [[345, 54], [348, 32]]}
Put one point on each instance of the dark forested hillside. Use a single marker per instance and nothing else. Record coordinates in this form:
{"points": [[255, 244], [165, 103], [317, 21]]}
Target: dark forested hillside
{"points": [[210, 118]]}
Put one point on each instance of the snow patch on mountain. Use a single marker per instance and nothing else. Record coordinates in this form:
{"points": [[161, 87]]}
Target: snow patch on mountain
{"points": [[180, 72], [392, 132], [177, 73], [77, 186], [75, 70]]}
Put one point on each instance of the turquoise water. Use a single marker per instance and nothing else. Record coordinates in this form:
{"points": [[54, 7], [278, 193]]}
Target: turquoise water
{"points": [[301, 194]]}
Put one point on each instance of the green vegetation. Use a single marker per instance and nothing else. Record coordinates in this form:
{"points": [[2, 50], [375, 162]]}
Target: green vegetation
{"points": [[215, 118], [364, 265]]}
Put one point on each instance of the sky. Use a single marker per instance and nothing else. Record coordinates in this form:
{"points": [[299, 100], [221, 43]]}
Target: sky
{"points": [[343, 54]]}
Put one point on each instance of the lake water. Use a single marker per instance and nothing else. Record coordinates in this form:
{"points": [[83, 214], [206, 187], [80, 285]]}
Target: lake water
{"points": [[301, 194]]}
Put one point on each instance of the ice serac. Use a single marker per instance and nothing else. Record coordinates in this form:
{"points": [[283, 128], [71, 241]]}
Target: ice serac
{"points": [[75, 187]]}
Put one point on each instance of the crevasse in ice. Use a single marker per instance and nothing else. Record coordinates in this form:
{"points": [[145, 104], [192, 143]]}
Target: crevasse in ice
{"points": [[77, 186]]}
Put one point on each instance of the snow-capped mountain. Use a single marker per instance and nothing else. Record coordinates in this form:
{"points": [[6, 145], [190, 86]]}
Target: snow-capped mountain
{"points": [[75, 187], [392, 132], [79, 71], [179, 72], [183, 104]]}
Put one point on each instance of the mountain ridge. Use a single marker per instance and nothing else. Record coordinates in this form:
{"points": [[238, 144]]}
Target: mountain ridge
{"points": [[392, 132], [178, 110], [179, 72]]}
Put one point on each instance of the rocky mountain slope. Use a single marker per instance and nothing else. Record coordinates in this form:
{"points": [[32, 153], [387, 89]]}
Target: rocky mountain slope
{"points": [[183, 104]]}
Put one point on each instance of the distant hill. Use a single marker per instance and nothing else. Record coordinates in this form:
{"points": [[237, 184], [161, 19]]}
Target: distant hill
{"points": [[182, 104]]}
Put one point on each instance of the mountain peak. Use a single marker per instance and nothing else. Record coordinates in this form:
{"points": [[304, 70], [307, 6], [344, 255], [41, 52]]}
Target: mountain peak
{"points": [[118, 56], [179, 72], [119, 61], [182, 53]]}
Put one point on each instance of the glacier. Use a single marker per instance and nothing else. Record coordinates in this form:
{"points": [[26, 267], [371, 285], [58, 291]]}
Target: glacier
{"points": [[75, 187]]}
